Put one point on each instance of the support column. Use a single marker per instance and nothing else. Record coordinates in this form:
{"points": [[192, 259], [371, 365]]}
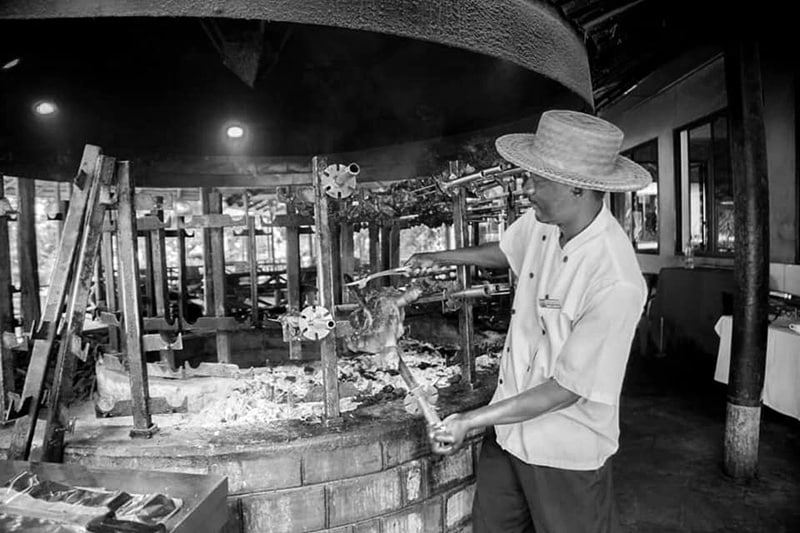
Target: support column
{"points": [[27, 249], [751, 228], [7, 362], [129, 295], [465, 320], [330, 373]]}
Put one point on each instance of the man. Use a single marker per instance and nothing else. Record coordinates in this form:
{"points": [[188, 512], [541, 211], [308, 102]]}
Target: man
{"points": [[553, 422]]}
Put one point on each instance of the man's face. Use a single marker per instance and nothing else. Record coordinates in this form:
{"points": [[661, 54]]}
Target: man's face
{"points": [[553, 202]]}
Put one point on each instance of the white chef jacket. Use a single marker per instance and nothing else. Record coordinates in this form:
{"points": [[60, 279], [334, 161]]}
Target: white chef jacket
{"points": [[573, 319]]}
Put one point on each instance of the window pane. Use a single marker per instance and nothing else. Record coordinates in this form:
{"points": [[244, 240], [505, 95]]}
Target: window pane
{"points": [[699, 168], [638, 212], [723, 187]]}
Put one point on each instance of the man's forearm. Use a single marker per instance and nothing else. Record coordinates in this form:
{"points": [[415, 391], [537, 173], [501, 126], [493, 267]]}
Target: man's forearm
{"points": [[486, 255], [544, 398]]}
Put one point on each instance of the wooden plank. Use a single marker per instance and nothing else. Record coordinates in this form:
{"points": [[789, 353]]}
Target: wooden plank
{"points": [[27, 252], [465, 318], [7, 359], [394, 246], [129, 294], [61, 388], [386, 259], [27, 408], [330, 374]]}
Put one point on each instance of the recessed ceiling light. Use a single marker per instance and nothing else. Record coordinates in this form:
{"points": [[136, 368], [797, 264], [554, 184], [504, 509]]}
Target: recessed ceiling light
{"points": [[45, 108], [11, 64], [235, 132]]}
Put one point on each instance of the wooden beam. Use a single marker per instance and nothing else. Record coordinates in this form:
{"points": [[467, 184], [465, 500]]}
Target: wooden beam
{"points": [[7, 359], [27, 250], [325, 297], [129, 295]]}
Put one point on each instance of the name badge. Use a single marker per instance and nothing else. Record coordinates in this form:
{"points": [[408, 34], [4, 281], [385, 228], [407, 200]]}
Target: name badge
{"points": [[549, 303]]}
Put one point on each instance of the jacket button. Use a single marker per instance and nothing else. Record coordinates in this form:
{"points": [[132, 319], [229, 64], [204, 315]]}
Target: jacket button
{"points": [[544, 237], [565, 258], [501, 381], [530, 274], [513, 311]]}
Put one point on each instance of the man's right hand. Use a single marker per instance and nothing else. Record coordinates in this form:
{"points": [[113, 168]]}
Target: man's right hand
{"points": [[423, 262]]}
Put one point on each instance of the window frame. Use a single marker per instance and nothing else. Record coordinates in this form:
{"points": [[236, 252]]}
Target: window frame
{"points": [[632, 195], [683, 233]]}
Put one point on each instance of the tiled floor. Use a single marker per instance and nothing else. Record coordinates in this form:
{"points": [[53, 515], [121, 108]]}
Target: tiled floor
{"points": [[668, 471]]}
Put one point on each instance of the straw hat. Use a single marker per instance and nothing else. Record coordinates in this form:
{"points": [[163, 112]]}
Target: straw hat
{"points": [[575, 149]]}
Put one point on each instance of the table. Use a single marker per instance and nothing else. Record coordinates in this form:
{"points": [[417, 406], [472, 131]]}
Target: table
{"points": [[782, 372], [204, 496]]}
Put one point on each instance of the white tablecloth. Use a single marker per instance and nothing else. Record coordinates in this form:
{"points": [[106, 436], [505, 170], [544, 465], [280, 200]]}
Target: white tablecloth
{"points": [[782, 373]]}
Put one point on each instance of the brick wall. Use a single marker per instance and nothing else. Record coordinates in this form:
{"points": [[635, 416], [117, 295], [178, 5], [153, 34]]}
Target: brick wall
{"points": [[378, 478]]}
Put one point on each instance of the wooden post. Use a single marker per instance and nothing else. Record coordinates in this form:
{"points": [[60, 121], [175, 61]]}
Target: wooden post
{"points": [[293, 280], [465, 324], [347, 258], [208, 265], [129, 294], [330, 371], [751, 229], [27, 249], [218, 277], [7, 360], [81, 286]]}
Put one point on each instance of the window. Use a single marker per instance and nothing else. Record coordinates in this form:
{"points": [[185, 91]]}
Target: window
{"points": [[705, 187], [637, 212]]}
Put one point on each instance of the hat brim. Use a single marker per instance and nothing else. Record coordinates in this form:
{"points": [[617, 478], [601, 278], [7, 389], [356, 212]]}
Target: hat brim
{"points": [[519, 149]]}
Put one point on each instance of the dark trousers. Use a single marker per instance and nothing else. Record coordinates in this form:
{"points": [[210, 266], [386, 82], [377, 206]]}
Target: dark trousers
{"points": [[514, 497]]}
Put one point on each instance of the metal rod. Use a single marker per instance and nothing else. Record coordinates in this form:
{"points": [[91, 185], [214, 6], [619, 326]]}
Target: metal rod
{"points": [[504, 169]]}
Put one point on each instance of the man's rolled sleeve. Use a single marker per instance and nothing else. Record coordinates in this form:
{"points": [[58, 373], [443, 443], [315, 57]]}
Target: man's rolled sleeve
{"points": [[516, 240], [593, 359]]}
